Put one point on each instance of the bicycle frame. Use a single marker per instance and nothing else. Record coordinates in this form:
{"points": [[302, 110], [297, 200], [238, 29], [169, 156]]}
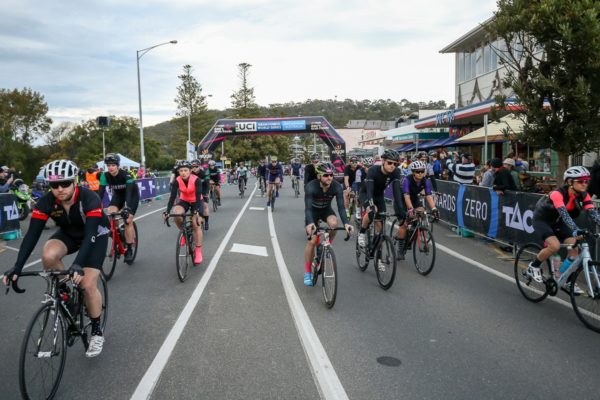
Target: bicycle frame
{"points": [[117, 231], [583, 259]]}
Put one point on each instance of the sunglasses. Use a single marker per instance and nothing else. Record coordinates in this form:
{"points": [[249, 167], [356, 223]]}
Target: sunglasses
{"points": [[391, 163], [583, 182], [64, 185], [327, 175], [420, 171]]}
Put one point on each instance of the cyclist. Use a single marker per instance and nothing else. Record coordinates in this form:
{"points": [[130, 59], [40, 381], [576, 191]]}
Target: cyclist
{"points": [[189, 187], [350, 172], [429, 171], [296, 170], [125, 196], [77, 211], [309, 171], [275, 172], [553, 218], [412, 186], [371, 194], [262, 173], [199, 171], [243, 174], [317, 206], [215, 179]]}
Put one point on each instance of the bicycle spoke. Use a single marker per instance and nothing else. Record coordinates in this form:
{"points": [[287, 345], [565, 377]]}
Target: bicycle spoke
{"points": [[529, 288], [424, 251], [587, 305]]}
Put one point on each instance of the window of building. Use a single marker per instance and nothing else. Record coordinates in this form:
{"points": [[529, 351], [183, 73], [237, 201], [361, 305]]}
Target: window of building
{"points": [[467, 66], [461, 67], [473, 64]]}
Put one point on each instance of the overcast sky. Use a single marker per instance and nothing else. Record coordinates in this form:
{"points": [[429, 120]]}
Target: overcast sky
{"points": [[81, 55]]}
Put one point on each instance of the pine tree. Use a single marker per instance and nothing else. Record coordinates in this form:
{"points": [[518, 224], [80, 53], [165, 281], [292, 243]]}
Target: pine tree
{"points": [[189, 95], [243, 102]]}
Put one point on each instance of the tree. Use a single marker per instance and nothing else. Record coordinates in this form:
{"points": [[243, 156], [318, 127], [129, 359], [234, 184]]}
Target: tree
{"points": [[189, 95], [23, 114], [243, 102], [553, 60]]}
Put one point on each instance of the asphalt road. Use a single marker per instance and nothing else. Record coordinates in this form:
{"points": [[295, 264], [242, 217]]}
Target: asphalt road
{"points": [[229, 331]]}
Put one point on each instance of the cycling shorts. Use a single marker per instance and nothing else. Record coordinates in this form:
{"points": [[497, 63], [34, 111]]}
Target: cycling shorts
{"points": [[320, 214], [559, 229], [97, 254], [378, 201], [118, 200], [274, 179]]}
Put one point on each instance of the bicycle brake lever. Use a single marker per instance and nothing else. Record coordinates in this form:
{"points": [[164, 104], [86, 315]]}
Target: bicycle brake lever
{"points": [[15, 287]]}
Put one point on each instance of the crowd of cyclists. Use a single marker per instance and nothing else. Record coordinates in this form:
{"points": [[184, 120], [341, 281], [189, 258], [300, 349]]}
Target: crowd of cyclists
{"points": [[84, 226]]}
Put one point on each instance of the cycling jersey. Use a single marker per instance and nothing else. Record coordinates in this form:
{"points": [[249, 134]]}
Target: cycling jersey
{"points": [[375, 185], [242, 172], [123, 188], [190, 192], [214, 175], [262, 170], [309, 173], [84, 224], [274, 171], [205, 181], [296, 169], [411, 188], [350, 173], [315, 200]]}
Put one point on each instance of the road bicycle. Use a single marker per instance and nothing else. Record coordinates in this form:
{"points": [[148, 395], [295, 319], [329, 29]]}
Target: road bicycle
{"points": [[213, 197], [241, 186], [324, 263], [353, 206], [420, 238], [186, 245], [261, 183], [295, 186], [381, 248], [117, 244], [56, 325], [583, 272], [273, 196]]}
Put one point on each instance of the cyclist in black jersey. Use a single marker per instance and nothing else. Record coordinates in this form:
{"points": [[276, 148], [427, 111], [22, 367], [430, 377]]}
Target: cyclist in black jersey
{"points": [[309, 171], [372, 194], [317, 206], [201, 173], [214, 179], [349, 181], [415, 183], [77, 211], [125, 196], [261, 173]]}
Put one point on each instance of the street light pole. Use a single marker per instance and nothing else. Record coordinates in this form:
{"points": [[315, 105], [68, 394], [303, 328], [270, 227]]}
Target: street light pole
{"points": [[139, 54]]}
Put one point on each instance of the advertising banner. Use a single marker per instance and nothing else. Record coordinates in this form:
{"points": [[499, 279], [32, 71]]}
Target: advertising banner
{"points": [[9, 213], [149, 188]]}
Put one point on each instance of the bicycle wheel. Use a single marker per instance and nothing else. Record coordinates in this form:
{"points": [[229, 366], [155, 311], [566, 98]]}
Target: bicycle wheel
{"points": [[241, 188], [113, 255], [43, 354], [362, 253], [385, 262], [134, 246], [329, 272], [529, 288], [273, 200], [586, 305], [87, 323], [183, 256], [424, 251]]}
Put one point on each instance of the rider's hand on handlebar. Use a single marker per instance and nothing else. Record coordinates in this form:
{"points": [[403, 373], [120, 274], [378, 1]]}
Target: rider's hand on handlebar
{"points": [[77, 273], [9, 275], [349, 229], [310, 229]]}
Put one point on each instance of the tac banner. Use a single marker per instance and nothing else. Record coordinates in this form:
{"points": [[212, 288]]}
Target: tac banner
{"points": [[149, 188], [226, 128], [9, 213]]}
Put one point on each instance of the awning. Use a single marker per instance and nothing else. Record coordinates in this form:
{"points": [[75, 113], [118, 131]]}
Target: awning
{"points": [[495, 131], [432, 143], [405, 147]]}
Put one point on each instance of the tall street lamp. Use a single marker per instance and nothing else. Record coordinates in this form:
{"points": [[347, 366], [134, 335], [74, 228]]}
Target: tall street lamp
{"points": [[140, 54]]}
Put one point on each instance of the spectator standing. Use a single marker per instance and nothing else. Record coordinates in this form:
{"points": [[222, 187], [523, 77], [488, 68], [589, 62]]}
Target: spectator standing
{"points": [[509, 164], [502, 178], [437, 164], [6, 179], [462, 168], [487, 179]]}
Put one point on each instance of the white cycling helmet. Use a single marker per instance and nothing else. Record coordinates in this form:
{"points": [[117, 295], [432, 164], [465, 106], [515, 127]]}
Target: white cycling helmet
{"points": [[576, 172], [60, 170], [368, 161], [211, 162], [417, 165]]}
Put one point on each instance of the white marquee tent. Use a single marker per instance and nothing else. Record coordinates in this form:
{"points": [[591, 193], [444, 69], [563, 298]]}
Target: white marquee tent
{"points": [[125, 162]]}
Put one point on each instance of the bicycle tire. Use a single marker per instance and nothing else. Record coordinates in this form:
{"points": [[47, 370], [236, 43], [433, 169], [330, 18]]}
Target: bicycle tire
{"points": [[135, 244], [43, 319], [362, 254], [113, 256], [530, 289], [385, 263], [586, 306], [329, 274], [183, 257], [423, 245]]}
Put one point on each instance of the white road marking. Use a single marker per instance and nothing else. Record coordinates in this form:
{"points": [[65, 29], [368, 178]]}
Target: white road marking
{"points": [[10, 248], [324, 375], [257, 208], [148, 383], [249, 249]]}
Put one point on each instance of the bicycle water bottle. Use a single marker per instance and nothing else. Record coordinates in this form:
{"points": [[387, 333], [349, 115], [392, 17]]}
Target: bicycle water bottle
{"points": [[556, 262]]}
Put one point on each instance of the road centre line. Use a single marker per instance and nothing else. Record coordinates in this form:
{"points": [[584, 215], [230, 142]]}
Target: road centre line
{"points": [[325, 377], [148, 382]]}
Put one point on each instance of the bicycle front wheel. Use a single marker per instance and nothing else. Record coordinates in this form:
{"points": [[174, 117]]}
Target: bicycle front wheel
{"points": [[362, 253], [329, 271], [113, 255], [43, 354], [424, 251], [385, 262], [183, 256], [586, 305], [529, 288]]}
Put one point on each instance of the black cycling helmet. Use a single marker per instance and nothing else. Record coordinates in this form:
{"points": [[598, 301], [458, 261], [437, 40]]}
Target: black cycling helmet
{"points": [[112, 158], [323, 168], [390, 154], [314, 156], [196, 163], [184, 164], [353, 159]]}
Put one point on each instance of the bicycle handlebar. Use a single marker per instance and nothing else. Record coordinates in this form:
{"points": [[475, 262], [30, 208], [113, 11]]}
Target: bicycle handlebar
{"points": [[15, 285], [328, 229], [187, 214]]}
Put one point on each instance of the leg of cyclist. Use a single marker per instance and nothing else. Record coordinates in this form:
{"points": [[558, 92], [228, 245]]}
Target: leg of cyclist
{"points": [[93, 304], [177, 209], [53, 252], [196, 222], [309, 254], [269, 189], [205, 213], [278, 182], [535, 267], [333, 223], [218, 193]]}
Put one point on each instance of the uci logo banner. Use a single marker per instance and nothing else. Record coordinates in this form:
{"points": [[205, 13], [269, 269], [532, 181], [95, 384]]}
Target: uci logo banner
{"points": [[249, 126]]}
